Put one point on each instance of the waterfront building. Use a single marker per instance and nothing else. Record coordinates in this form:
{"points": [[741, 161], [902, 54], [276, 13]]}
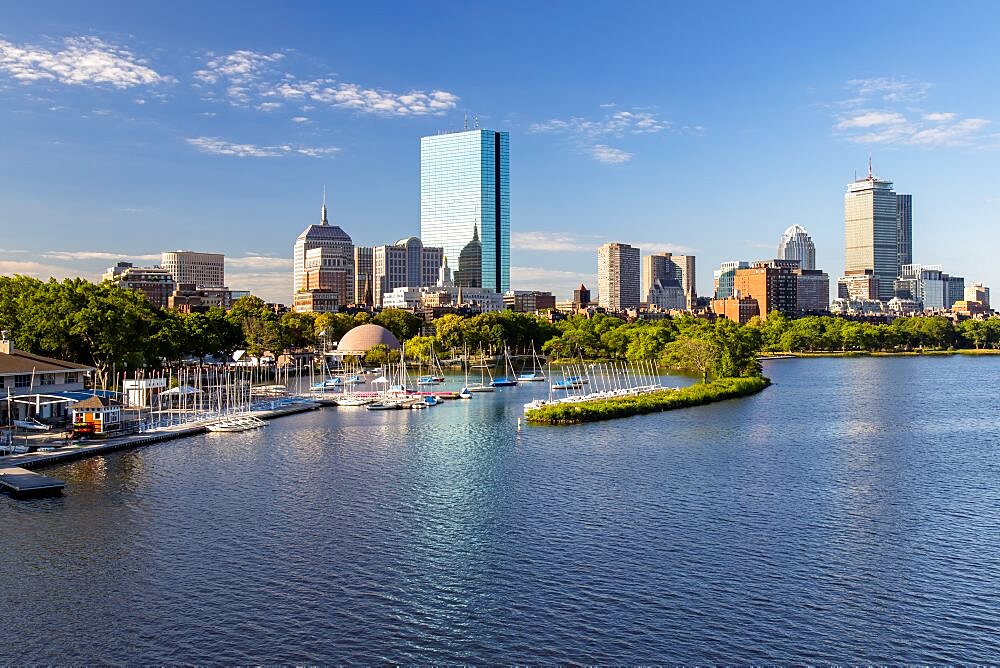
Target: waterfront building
{"points": [[332, 267], [156, 283], [772, 283], [738, 309], [204, 270], [796, 244], [480, 300], [863, 285], [189, 298], [25, 378], [618, 276], [929, 285], [670, 269], [977, 292], [813, 288], [465, 203], [724, 275], [870, 231], [581, 298], [406, 264], [904, 230], [528, 301]]}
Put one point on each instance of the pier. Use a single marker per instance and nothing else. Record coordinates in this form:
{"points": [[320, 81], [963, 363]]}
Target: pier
{"points": [[16, 479]]}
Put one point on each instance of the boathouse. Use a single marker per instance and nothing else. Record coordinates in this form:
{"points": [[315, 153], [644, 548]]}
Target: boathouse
{"points": [[97, 416]]}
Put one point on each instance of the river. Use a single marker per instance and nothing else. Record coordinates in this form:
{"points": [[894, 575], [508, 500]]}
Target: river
{"points": [[848, 514]]}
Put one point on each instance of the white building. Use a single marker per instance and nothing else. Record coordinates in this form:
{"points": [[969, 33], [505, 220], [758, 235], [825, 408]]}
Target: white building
{"points": [[796, 244], [204, 270]]}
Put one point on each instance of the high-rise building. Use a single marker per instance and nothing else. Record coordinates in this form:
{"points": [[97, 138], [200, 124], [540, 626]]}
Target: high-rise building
{"points": [[205, 270], [618, 276], [724, 275], [465, 204], [813, 287], [406, 264], [871, 231], [155, 283], [669, 269], [929, 285], [364, 291], [861, 286], [977, 292], [796, 244], [581, 297], [332, 266], [904, 231]]}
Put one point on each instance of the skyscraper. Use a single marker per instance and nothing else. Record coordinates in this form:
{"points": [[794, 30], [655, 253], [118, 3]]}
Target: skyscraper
{"points": [[465, 204], [870, 232], [904, 231], [618, 276], [335, 264], [205, 270], [796, 244], [407, 264]]}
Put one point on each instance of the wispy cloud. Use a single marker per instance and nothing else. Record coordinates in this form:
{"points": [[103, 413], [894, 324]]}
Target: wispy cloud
{"points": [[260, 262], [882, 111], [217, 146], [77, 256], [609, 155], [616, 124], [82, 61], [560, 283], [247, 78], [554, 241]]}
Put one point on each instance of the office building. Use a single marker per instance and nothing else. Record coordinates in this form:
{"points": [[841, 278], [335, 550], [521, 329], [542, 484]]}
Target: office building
{"points": [[528, 301], [668, 269], [929, 285], [724, 275], [813, 288], [977, 292], [796, 244], [155, 283], [406, 264], [363, 276], [191, 298], [772, 283], [204, 270], [465, 204], [618, 276], [870, 231], [859, 286], [738, 309], [581, 298], [331, 270], [904, 231]]}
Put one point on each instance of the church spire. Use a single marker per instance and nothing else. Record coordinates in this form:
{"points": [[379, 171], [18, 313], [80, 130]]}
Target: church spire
{"points": [[323, 220]]}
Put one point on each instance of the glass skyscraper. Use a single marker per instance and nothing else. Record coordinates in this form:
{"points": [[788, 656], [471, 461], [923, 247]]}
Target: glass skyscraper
{"points": [[465, 204]]}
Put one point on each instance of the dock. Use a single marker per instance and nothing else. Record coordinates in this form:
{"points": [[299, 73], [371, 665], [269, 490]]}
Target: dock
{"points": [[22, 482], [19, 482]]}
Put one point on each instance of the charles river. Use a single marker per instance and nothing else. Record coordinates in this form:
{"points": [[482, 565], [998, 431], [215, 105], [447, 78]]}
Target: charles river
{"points": [[850, 513]]}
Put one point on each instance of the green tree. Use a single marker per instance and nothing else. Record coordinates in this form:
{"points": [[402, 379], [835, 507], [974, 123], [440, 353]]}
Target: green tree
{"points": [[693, 355], [403, 324]]}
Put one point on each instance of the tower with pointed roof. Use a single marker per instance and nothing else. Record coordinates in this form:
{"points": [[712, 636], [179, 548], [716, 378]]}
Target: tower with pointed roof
{"points": [[323, 266], [796, 244]]}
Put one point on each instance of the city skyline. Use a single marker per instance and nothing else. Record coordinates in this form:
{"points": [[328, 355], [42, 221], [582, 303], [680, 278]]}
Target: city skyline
{"points": [[137, 134]]}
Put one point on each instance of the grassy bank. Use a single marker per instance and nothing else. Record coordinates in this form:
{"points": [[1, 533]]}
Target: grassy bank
{"points": [[607, 409], [882, 353]]}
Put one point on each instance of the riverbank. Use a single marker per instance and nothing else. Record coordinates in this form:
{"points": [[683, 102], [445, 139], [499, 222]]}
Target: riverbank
{"points": [[669, 399], [879, 353]]}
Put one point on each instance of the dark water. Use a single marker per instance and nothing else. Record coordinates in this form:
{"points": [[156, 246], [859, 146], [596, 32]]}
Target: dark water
{"points": [[851, 513]]}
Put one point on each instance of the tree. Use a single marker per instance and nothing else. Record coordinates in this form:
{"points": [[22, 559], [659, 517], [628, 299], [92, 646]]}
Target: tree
{"points": [[692, 355], [260, 325], [402, 323]]}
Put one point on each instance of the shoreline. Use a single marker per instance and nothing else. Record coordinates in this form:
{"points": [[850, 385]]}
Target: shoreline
{"points": [[971, 352]]}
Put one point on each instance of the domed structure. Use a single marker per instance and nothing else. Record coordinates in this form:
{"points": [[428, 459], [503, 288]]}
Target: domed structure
{"points": [[363, 338]]}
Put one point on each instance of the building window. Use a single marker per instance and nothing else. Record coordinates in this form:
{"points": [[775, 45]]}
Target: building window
{"points": [[22, 381], [48, 379]]}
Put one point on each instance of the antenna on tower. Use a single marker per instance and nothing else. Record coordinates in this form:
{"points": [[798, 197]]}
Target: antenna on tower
{"points": [[322, 219], [476, 119], [869, 165], [466, 120]]}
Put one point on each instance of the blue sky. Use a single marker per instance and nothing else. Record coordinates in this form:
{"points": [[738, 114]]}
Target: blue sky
{"points": [[132, 128]]}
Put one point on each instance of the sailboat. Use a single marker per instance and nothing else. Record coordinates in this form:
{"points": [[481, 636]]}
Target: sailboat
{"points": [[536, 374], [481, 386], [506, 380]]}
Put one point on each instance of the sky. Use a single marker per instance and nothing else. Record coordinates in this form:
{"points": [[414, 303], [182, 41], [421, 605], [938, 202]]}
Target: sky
{"points": [[130, 128]]}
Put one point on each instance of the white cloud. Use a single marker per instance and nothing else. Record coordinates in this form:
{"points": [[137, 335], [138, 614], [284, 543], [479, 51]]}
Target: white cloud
{"points": [[300, 119], [554, 241], [273, 287], [260, 262], [889, 89], [248, 77], [83, 61], [872, 118], [217, 146], [40, 270], [609, 155], [618, 124], [939, 116], [77, 256]]}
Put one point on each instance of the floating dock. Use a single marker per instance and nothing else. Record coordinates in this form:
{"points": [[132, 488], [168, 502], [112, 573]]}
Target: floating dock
{"points": [[21, 482]]}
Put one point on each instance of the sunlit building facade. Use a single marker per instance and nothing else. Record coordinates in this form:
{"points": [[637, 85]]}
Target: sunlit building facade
{"points": [[465, 204], [796, 244], [871, 231], [618, 276]]}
